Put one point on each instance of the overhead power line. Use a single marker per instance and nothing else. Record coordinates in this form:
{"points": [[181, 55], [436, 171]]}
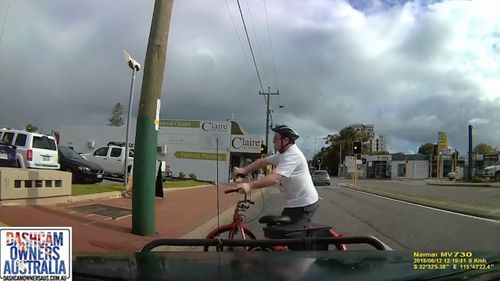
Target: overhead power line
{"points": [[238, 35], [250, 45], [271, 47], [4, 23], [258, 45]]}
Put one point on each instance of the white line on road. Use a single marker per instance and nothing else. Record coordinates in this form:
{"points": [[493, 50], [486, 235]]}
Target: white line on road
{"points": [[427, 207]]}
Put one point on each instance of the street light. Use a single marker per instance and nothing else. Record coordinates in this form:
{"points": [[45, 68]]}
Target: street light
{"points": [[135, 66]]}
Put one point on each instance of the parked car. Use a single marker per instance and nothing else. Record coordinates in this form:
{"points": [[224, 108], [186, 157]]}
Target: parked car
{"points": [[34, 150], [111, 159], [493, 172], [451, 175], [8, 155], [83, 171], [320, 177]]}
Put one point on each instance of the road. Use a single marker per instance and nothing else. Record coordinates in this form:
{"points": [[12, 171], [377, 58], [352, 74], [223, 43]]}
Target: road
{"points": [[485, 197], [400, 225]]}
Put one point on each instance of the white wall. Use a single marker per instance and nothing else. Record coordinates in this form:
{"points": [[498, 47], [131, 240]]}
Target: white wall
{"points": [[79, 136], [416, 169]]}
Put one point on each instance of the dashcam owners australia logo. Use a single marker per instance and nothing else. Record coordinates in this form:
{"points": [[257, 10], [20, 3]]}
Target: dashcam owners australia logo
{"points": [[34, 253]]}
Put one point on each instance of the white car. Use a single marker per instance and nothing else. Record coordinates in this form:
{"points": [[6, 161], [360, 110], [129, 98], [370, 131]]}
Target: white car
{"points": [[34, 150], [493, 171], [111, 158]]}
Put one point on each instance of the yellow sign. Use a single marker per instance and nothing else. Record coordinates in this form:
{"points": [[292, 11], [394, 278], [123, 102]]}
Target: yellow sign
{"points": [[200, 155], [443, 141]]}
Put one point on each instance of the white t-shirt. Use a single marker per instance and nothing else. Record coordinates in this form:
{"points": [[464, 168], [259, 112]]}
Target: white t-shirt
{"points": [[296, 182]]}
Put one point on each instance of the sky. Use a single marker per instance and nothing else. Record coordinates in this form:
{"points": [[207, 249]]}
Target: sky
{"points": [[412, 68]]}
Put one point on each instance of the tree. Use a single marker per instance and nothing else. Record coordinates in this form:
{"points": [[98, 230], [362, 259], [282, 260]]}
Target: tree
{"points": [[330, 155], [116, 118], [484, 148], [31, 128], [426, 149]]}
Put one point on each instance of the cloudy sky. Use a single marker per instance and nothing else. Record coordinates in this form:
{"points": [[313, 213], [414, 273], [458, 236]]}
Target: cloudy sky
{"points": [[412, 68]]}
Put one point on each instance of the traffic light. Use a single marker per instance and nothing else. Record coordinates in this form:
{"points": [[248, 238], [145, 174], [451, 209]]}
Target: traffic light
{"points": [[356, 147], [435, 151]]}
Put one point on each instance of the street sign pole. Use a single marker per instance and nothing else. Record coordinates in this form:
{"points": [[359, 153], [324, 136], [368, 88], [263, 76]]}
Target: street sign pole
{"points": [[355, 177]]}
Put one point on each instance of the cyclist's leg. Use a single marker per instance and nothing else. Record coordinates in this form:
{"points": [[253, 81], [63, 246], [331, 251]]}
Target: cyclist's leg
{"points": [[301, 214]]}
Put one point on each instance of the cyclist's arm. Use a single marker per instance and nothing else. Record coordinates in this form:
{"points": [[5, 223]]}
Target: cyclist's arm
{"points": [[256, 165], [269, 180]]}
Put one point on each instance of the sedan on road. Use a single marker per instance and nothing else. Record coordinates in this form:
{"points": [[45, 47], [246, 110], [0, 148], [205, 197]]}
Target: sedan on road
{"points": [[320, 177]]}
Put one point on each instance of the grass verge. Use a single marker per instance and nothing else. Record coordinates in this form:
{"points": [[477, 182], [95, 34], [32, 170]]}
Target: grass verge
{"points": [[84, 189], [183, 183]]}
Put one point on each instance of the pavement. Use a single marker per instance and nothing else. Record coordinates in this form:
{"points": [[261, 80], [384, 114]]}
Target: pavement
{"points": [[182, 213]]}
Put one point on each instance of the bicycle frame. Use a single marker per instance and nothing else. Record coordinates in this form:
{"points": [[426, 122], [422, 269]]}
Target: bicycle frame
{"points": [[238, 223]]}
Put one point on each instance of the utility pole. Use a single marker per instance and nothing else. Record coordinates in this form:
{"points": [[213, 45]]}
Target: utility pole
{"points": [[143, 199], [268, 94], [470, 165]]}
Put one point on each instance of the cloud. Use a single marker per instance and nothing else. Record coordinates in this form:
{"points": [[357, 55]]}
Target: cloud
{"points": [[479, 121]]}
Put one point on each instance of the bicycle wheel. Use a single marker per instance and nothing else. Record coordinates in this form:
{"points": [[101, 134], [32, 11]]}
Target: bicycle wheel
{"points": [[227, 233]]}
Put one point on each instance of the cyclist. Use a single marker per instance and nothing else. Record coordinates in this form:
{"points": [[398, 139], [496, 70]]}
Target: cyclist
{"points": [[291, 174]]}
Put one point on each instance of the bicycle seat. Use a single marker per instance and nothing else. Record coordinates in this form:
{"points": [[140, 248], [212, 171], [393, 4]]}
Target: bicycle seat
{"points": [[275, 220]]}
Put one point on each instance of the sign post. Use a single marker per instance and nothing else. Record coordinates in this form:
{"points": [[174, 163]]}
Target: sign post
{"points": [[356, 149]]}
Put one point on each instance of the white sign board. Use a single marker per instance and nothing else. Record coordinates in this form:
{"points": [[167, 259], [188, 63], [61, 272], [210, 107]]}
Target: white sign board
{"points": [[196, 146], [246, 143]]}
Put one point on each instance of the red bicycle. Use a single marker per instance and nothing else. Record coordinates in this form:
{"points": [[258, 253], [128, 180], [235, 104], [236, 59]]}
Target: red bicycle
{"points": [[237, 228], [277, 227]]}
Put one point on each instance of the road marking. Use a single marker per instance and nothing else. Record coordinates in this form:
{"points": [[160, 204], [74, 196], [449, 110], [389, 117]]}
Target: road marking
{"points": [[427, 207]]}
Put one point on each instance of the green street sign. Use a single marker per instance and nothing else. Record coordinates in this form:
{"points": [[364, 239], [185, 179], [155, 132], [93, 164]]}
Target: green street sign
{"points": [[200, 155]]}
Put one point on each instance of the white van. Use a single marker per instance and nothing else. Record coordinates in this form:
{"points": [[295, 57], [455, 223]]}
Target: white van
{"points": [[34, 150]]}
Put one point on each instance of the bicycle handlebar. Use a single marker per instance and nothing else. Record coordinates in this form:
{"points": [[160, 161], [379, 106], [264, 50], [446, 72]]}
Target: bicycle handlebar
{"points": [[232, 190]]}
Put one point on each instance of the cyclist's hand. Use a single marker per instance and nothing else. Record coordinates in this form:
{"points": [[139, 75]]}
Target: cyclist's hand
{"points": [[244, 187], [240, 171]]}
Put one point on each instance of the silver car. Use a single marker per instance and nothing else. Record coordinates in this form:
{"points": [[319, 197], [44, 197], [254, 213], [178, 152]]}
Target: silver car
{"points": [[320, 177]]}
